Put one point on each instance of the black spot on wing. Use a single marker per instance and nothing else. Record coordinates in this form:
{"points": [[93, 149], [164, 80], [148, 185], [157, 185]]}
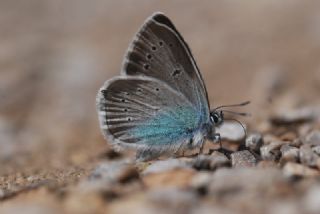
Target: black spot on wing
{"points": [[176, 72], [149, 56], [146, 66]]}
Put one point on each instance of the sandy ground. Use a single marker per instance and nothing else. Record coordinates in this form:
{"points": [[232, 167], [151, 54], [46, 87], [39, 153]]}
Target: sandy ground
{"points": [[55, 55]]}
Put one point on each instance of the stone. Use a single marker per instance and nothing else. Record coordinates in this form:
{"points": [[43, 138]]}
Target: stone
{"points": [[271, 151], [307, 156], [298, 170], [243, 159], [201, 181], [165, 165], [109, 180], [254, 142], [269, 138], [313, 138], [297, 115], [316, 150], [210, 162], [115, 171], [231, 131], [227, 182], [296, 143], [289, 153]]}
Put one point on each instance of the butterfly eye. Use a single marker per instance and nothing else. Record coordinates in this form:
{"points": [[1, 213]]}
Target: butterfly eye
{"points": [[215, 118]]}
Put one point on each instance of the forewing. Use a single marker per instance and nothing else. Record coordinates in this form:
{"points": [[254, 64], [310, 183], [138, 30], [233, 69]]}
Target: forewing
{"points": [[140, 111], [159, 51]]}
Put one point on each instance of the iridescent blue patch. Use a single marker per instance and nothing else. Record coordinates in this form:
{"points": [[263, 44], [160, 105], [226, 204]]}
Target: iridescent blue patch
{"points": [[167, 127]]}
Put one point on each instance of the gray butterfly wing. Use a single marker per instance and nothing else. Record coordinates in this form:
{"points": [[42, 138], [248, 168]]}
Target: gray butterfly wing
{"points": [[146, 114], [159, 51]]}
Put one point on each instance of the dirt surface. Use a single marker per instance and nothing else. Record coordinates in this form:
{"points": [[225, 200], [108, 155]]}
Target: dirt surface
{"points": [[54, 57]]}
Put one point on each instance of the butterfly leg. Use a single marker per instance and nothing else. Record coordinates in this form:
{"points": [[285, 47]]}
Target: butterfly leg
{"points": [[217, 138], [201, 148]]}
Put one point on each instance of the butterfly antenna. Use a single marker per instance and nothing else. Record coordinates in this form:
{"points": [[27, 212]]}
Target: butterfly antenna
{"points": [[244, 129], [233, 105], [244, 114]]}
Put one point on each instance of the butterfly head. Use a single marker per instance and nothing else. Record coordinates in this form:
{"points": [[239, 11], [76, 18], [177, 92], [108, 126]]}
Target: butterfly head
{"points": [[217, 114], [216, 117]]}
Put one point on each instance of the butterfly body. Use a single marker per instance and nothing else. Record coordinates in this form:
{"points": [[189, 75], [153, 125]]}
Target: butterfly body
{"points": [[159, 104]]}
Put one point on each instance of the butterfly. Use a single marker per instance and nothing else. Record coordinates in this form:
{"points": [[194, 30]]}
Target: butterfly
{"points": [[159, 104]]}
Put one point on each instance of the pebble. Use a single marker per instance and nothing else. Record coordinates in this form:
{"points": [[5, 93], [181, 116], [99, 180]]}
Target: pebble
{"points": [[243, 159], [307, 156], [211, 162], [269, 138], [316, 150], [289, 153], [298, 170], [201, 180], [313, 138], [231, 131], [296, 143], [115, 171], [254, 142], [297, 115], [165, 165], [271, 151], [254, 181]]}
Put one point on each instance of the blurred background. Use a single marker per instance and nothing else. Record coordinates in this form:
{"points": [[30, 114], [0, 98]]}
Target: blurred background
{"points": [[54, 56]]}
